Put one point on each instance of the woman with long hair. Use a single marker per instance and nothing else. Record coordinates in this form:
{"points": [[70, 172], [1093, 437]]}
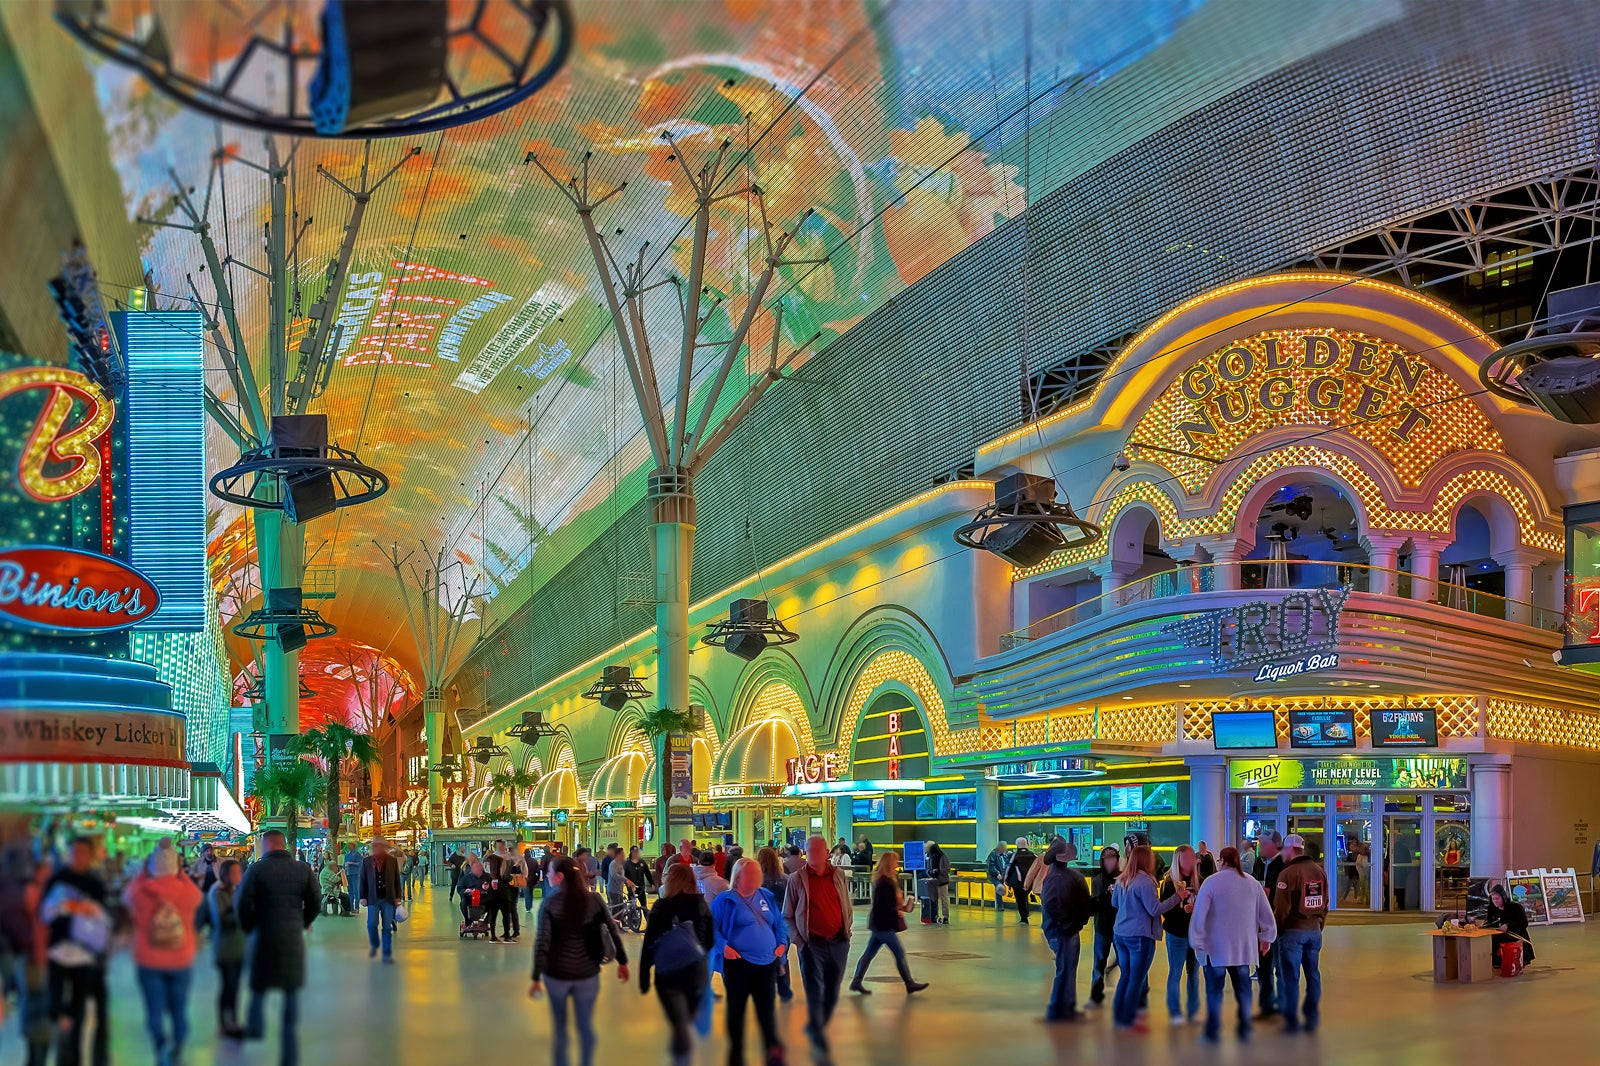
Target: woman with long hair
{"points": [[774, 880], [884, 923], [677, 944], [227, 946], [1184, 876], [754, 936], [1137, 928], [577, 936], [1231, 929]]}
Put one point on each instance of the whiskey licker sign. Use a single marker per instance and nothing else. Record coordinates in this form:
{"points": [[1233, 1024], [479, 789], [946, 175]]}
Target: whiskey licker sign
{"points": [[143, 737]]}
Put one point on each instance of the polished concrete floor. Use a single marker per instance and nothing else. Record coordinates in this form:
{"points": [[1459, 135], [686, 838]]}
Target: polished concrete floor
{"points": [[448, 1001]]}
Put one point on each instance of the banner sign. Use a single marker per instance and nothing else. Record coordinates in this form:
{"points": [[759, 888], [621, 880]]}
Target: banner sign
{"points": [[1527, 888], [64, 590], [141, 737], [1408, 727], [1549, 896], [1348, 772], [1322, 729], [680, 776]]}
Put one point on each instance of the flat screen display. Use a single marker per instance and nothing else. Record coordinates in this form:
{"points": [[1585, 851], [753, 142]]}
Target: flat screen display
{"points": [[1407, 727], [1322, 729], [1127, 799], [1232, 730]]}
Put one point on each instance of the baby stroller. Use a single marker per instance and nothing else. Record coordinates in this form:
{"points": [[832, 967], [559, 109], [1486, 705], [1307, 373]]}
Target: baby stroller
{"points": [[474, 926]]}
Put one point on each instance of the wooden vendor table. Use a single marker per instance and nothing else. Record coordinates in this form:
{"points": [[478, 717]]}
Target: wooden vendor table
{"points": [[1464, 955]]}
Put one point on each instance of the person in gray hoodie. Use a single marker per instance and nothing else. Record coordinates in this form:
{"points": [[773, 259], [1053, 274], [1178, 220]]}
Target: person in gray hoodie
{"points": [[1232, 927]]}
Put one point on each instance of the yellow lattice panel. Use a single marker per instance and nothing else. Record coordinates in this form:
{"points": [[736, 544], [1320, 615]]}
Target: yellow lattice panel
{"points": [[907, 669], [1532, 723]]}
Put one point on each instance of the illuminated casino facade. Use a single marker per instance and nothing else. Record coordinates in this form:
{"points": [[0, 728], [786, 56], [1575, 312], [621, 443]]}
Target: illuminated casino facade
{"points": [[1327, 601]]}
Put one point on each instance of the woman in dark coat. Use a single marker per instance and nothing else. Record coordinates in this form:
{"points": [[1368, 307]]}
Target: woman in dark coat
{"points": [[1511, 919], [277, 903]]}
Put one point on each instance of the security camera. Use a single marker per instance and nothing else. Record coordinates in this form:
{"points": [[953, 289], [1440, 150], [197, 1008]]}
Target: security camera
{"points": [[1122, 462]]}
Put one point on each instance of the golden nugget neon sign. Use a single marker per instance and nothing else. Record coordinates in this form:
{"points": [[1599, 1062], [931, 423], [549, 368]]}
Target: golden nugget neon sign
{"points": [[77, 446]]}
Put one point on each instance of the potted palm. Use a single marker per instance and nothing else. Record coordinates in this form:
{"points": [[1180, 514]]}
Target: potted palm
{"points": [[335, 744], [513, 782], [288, 787], [657, 724]]}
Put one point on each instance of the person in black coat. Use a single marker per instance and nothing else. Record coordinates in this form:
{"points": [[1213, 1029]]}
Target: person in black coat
{"points": [[1511, 919], [1105, 918], [682, 975], [277, 903], [1067, 907], [1017, 875]]}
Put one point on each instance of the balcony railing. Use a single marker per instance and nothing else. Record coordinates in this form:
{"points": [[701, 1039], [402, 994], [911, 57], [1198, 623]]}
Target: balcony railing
{"points": [[1262, 574]]}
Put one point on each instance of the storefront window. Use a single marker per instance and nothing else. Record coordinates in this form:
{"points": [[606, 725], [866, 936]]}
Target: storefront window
{"points": [[1347, 803], [1455, 802], [1583, 576], [1452, 846], [1403, 803], [867, 810]]}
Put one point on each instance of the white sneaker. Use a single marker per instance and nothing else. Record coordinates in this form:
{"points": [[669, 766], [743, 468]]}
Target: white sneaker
{"points": [[1178, 1021]]}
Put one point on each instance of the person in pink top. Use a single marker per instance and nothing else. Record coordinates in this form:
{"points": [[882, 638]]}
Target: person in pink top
{"points": [[162, 903]]}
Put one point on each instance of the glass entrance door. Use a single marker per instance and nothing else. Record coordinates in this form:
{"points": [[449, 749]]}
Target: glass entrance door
{"points": [[1402, 849], [1353, 841]]}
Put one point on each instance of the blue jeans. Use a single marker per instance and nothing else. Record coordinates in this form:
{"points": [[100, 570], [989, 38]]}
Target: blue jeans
{"points": [[883, 939], [1240, 976], [1136, 954], [1179, 960], [583, 995], [166, 999], [1300, 949], [383, 908], [1064, 990], [1267, 974], [289, 1045], [1097, 977]]}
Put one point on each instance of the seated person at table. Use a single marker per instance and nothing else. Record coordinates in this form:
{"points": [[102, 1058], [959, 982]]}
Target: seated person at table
{"points": [[1509, 917]]}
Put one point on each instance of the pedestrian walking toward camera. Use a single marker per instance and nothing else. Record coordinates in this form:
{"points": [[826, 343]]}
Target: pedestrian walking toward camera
{"points": [[1232, 927], [1137, 928], [577, 937], [1182, 879], [162, 905], [73, 910], [380, 891], [676, 951], [1300, 906], [885, 923], [277, 903], [1066, 906], [995, 866], [227, 946], [1105, 918], [754, 937], [817, 907]]}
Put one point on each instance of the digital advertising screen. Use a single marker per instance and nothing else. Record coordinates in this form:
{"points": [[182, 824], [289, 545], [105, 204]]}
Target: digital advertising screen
{"points": [[1322, 729], [1233, 730], [1407, 727]]}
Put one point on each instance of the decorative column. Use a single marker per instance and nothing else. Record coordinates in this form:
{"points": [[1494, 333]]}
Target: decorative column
{"points": [[1519, 564], [1208, 800], [1491, 817], [1225, 553], [988, 817], [672, 497], [1383, 556], [1112, 577], [1425, 569]]}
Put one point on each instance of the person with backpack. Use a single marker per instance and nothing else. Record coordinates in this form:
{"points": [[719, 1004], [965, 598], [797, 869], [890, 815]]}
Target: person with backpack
{"points": [[1300, 905], [162, 905], [677, 945], [1016, 877], [227, 946], [750, 927], [577, 936]]}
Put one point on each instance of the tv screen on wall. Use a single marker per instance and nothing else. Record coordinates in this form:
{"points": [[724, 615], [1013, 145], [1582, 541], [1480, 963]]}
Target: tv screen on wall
{"points": [[1233, 730], [1411, 727]]}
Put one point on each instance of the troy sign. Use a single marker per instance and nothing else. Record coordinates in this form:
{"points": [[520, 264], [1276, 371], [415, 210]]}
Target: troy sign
{"points": [[810, 769], [65, 590], [1301, 626]]}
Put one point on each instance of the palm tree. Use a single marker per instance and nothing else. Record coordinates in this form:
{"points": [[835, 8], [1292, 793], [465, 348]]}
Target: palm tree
{"points": [[657, 724], [287, 788], [335, 743], [513, 781]]}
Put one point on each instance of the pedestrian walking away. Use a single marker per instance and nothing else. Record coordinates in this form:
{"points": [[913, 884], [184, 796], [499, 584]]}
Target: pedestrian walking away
{"points": [[1232, 926], [1300, 905], [277, 903], [162, 904], [1269, 861], [577, 937], [227, 946], [1066, 907], [1016, 877], [885, 922], [1136, 930], [750, 926], [677, 945], [78, 925], [817, 907], [995, 866], [939, 883]]}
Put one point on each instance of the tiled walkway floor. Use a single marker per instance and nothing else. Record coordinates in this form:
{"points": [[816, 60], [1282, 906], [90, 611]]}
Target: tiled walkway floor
{"points": [[453, 1002]]}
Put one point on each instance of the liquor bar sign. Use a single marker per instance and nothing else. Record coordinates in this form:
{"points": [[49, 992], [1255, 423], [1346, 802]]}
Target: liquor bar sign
{"points": [[1297, 634], [64, 590], [143, 737]]}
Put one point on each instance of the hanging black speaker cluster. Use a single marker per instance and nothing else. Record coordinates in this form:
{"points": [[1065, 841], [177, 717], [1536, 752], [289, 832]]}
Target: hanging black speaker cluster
{"points": [[531, 728], [616, 687], [297, 471], [749, 630], [285, 619], [484, 748], [1026, 524], [1558, 370]]}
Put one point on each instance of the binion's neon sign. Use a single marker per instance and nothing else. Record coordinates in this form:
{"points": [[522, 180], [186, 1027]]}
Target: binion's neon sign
{"points": [[80, 446]]}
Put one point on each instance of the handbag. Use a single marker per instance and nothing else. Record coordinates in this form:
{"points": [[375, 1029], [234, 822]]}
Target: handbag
{"points": [[678, 949], [400, 913]]}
